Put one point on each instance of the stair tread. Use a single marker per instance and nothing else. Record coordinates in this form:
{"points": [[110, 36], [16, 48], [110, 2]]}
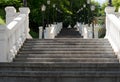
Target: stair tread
{"points": [[66, 60], [61, 73], [59, 64], [65, 52]]}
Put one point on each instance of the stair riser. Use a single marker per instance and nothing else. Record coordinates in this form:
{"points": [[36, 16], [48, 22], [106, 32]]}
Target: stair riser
{"points": [[82, 60], [68, 49], [82, 56], [66, 52], [14, 68], [59, 43], [66, 46], [59, 79], [67, 39]]}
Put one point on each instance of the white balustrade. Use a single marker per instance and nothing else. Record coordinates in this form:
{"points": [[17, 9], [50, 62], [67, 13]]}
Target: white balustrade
{"points": [[86, 30], [14, 33], [113, 30], [40, 32], [52, 31], [79, 27]]}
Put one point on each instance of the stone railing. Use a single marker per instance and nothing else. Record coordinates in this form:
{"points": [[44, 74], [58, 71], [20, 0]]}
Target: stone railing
{"points": [[79, 27], [113, 29], [51, 31], [14, 33], [86, 30]]}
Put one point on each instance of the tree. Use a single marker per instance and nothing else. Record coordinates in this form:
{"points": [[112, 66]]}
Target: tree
{"points": [[116, 3]]}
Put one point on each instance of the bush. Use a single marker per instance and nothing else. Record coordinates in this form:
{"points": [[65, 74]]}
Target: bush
{"points": [[101, 32]]}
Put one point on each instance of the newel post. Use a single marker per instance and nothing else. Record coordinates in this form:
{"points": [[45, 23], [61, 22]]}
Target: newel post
{"points": [[10, 14], [108, 10], [26, 11], [3, 44]]}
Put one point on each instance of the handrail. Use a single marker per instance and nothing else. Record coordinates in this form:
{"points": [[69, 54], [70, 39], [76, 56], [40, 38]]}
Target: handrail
{"points": [[14, 33], [113, 31], [52, 31]]}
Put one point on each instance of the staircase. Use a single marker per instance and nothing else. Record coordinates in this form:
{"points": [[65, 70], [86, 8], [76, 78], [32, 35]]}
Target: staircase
{"points": [[63, 60], [69, 33]]}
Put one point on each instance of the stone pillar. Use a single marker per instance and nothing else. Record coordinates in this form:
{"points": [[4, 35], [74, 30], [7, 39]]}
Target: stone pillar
{"points": [[109, 10], [10, 14], [26, 11], [3, 44], [40, 32]]}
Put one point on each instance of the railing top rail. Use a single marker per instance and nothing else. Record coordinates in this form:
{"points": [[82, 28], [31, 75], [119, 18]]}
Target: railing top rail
{"points": [[16, 21], [114, 20]]}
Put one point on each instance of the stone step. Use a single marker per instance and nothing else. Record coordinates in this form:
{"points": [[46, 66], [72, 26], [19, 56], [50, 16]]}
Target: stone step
{"points": [[82, 60], [66, 56], [64, 52], [68, 46], [63, 43], [60, 74], [67, 39], [100, 77], [59, 67], [68, 49], [75, 40]]}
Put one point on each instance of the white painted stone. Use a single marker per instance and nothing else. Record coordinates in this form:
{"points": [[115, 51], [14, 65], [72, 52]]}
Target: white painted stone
{"points": [[10, 14], [26, 11], [13, 34], [40, 32], [109, 10], [3, 44], [113, 32], [53, 30]]}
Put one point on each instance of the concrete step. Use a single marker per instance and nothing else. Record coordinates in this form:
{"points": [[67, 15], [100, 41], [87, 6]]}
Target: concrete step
{"points": [[68, 49], [66, 56], [82, 60], [74, 40], [67, 46], [60, 74], [108, 77], [59, 67], [100, 77], [64, 43], [64, 52], [95, 39]]}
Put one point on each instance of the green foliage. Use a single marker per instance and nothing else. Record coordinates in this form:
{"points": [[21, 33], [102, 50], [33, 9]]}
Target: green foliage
{"points": [[101, 32], [66, 11], [1, 21], [2, 16], [34, 34], [15, 3], [116, 3]]}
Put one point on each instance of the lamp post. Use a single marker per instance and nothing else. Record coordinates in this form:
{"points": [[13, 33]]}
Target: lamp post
{"points": [[84, 12], [25, 3], [48, 3], [110, 3], [53, 13], [88, 2], [43, 8], [92, 9]]}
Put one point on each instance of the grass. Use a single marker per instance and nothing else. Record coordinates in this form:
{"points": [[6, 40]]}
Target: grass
{"points": [[2, 21], [2, 16]]}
